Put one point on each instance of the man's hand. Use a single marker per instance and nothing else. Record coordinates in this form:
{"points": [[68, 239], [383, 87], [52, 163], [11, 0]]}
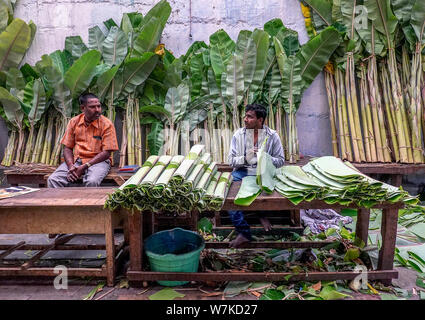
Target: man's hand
{"points": [[251, 156], [75, 173]]}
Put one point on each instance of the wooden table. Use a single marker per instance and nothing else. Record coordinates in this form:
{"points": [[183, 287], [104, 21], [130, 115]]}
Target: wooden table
{"points": [[275, 202], [60, 211]]}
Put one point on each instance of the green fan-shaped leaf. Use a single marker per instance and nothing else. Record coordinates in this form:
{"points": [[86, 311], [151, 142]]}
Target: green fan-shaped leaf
{"points": [[96, 38], [62, 60], [315, 54], [152, 26], [75, 46], [221, 51], [418, 19], [79, 76], [28, 72], [38, 101], [161, 10], [14, 43], [104, 80], [261, 39], [379, 11], [272, 27], [246, 50], [176, 102], [4, 16], [12, 108], [323, 9], [137, 70], [114, 48], [110, 23], [15, 79], [234, 81], [156, 137], [291, 84], [402, 9], [156, 110]]}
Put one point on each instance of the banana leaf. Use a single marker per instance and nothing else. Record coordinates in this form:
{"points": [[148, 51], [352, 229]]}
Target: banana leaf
{"points": [[379, 11], [156, 137], [315, 54], [96, 38], [12, 108], [418, 20], [136, 71], [261, 40], [104, 80], [75, 46], [55, 81], [176, 102], [14, 43], [15, 79], [114, 47], [265, 170], [62, 60], [235, 86], [81, 73], [221, 52], [35, 99], [246, 50], [248, 191]]}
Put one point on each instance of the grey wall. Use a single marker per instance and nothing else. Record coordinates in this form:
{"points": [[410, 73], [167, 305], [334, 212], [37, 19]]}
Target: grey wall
{"points": [[189, 21]]}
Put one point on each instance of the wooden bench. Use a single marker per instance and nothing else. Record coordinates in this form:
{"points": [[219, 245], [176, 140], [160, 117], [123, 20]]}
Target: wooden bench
{"points": [[61, 211], [15, 177]]}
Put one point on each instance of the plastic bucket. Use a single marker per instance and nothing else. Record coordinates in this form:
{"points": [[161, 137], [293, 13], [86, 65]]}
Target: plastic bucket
{"points": [[175, 250]]}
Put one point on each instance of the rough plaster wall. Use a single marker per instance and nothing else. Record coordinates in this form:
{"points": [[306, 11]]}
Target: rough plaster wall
{"points": [[57, 19]]}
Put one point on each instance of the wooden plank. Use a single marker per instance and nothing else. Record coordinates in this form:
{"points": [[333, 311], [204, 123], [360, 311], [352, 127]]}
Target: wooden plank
{"points": [[110, 250], [136, 241], [35, 258], [389, 234], [10, 249], [72, 272], [133, 275], [276, 202], [362, 224], [49, 220], [37, 247], [270, 244]]}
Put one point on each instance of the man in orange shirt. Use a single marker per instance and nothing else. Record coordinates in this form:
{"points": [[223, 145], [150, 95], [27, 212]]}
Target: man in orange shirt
{"points": [[89, 140]]}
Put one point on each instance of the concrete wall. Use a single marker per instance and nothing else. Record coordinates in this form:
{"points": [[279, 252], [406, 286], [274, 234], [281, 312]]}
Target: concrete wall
{"points": [[189, 21]]}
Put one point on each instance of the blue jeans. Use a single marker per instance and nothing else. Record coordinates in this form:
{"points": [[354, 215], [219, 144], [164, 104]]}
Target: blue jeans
{"points": [[237, 217]]}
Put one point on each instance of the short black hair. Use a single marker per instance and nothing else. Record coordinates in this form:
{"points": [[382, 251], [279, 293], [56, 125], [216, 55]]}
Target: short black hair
{"points": [[260, 110], [82, 99]]}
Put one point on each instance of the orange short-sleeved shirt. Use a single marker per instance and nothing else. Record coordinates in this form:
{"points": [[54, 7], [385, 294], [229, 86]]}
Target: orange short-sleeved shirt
{"points": [[87, 142]]}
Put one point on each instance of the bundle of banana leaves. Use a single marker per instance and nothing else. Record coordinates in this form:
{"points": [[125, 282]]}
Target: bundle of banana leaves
{"points": [[326, 178], [174, 184]]}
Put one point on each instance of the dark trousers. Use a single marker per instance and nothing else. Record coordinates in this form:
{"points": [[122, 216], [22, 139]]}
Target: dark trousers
{"points": [[237, 217]]}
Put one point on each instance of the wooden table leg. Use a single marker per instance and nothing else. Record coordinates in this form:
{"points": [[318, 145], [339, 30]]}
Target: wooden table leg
{"points": [[296, 218], [389, 234], [135, 225], [396, 180], [362, 225], [110, 250]]}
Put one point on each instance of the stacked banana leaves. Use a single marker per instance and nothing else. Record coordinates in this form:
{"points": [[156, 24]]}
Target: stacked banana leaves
{"points": [[334, 181], [325, 178], [174, 184]]}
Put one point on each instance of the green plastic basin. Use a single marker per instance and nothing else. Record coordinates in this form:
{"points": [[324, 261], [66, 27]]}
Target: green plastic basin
{"points": [[175, 250]]}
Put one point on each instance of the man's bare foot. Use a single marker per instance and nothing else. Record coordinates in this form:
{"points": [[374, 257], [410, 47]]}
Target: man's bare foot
{"points": [[240, 239], [266, 224]]}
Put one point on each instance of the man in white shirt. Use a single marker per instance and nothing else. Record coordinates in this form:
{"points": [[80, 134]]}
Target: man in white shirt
{"points": [[243, 158]]}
